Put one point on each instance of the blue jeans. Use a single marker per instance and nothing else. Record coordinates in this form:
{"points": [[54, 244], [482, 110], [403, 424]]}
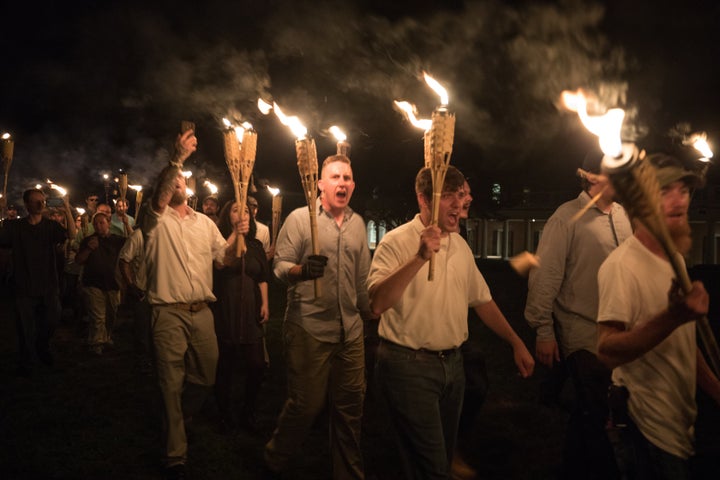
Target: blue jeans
{"points": [[638, 459], [424, 393]]}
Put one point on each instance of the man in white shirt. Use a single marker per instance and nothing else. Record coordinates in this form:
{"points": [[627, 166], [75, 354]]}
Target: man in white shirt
{"points": [[180, 246]]}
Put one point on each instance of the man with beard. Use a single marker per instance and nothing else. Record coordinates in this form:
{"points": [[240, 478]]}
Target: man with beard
{"points": [[419, 367], [121, 223], [324, 336], [562, 305], [647, 336], [180, 246], [211, 207]]}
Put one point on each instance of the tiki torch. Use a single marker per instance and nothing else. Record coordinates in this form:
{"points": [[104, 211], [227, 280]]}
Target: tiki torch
{"points": [[123, 186], [8, 145], [637, 187], [240, 150], [343, 146], [106, 185], [307, 162], [138, 197], [438, 140], [276, 212], [212, 187]]}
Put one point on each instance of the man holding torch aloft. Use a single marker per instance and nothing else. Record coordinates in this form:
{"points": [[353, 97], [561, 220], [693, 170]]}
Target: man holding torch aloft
{"points": [[180, 246], [419, 367], [647, 335], [324, 336]]}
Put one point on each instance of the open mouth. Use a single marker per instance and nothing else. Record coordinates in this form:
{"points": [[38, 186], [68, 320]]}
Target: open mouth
{"points": [[341, 194]]}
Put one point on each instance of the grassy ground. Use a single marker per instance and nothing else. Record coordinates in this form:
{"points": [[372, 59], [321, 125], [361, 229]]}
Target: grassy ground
{"points": [[98, 418]]}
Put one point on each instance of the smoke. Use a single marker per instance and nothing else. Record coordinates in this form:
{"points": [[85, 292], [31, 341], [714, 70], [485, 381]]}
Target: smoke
{"points": [[134, 71]]}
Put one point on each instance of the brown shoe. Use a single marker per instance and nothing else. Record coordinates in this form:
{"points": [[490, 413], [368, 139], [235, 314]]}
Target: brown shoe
{"points": [[460, 470]]}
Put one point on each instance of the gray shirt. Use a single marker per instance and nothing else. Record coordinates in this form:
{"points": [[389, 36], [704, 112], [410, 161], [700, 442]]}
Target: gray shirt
{"points": [[336, 314], [563, 292]]}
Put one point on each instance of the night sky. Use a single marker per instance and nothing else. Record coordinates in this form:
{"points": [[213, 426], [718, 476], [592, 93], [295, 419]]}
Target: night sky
{"points": [[92, 86]]}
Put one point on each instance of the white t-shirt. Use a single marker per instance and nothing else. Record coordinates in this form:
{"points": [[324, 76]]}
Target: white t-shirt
{"points": [[634, 285]]}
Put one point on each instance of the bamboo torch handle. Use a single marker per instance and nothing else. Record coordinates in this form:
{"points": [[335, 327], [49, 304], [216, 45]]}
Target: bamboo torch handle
{"points": [[706, 335], [315, 249], [434, 222]]}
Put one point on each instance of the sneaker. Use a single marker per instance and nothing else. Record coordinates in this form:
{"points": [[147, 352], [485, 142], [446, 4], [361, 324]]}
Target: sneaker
{"points": [[176, 472]]}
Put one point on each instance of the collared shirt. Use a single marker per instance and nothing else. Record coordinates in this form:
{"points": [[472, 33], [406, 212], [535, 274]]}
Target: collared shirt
{"points": [[133, 252], [179, 255], [263, 234], [430, 314], [563, 292], [336, 314], [118, 227]]}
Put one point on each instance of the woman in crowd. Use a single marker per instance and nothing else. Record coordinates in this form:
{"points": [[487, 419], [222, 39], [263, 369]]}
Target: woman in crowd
{"points": [[240, 312]]}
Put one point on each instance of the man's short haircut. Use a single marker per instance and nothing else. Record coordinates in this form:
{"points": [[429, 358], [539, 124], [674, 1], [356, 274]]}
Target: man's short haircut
{"points": [[30, 191], [335, 158], [212, 198], [99, 214], [454, 181], [252, 201]]}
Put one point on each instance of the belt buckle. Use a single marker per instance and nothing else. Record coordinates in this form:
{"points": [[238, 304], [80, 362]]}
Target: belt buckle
{"points": [[441, 354]]}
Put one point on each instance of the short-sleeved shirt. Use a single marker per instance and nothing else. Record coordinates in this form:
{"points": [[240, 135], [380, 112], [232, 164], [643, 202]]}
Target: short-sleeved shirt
{"points": [[430, 314]]}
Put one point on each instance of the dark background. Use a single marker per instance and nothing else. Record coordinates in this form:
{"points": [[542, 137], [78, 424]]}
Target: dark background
{"points": [[90, 87]]}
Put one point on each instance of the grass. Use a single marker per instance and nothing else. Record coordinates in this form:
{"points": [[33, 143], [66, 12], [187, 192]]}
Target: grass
{"points": [[99, 418]]}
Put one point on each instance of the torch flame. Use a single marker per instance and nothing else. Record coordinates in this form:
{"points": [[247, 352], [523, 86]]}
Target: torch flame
{"points": [[293, 123], [80, 210], [213, 189], [6, 136], [187, 174], [137, 188], [274, 191], [263, 106], [189, 192], [38, 186], [699, 141], [439, 89], [409, 110], [227, 123], [339, 134], [607, 127], [60, 189], [105, 176]]}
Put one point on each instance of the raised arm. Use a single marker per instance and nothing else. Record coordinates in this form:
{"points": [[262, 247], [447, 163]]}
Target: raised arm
{"points": [[71, 230], [168, 180]]}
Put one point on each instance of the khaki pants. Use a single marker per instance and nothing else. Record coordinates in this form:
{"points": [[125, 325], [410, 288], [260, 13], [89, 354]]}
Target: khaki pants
{"points": [[187, 352], [102, 308], [321, 372]]}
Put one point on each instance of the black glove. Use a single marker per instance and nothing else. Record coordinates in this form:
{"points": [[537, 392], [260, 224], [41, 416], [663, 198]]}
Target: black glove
{"points": [[314, 267]]}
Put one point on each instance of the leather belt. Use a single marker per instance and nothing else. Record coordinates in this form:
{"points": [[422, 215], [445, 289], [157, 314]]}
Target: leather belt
{"points": [[435, 353], [190, 307]]}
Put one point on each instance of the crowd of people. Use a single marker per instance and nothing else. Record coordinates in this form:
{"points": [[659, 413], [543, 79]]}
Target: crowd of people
{"points": [[603, 303]]}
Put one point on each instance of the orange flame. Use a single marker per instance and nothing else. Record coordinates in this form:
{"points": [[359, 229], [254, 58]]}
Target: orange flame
{"points": [[607, 127]]}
